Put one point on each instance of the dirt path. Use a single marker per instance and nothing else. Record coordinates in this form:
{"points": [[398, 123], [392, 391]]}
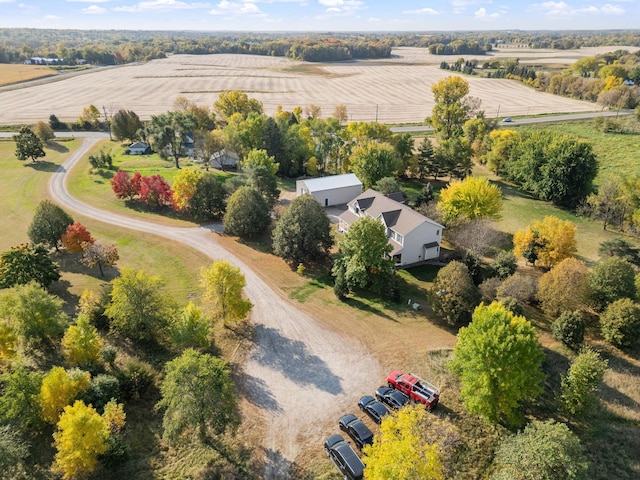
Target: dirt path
{"points": [[298, 373]]}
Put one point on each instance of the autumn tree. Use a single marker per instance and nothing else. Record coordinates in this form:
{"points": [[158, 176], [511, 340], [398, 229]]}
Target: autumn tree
{"points": [[471, 198], [236, 101], [544, 451], [80, 438], [184, 187], [222, 284], [504, 265], [48, 225], [34, 315], [453, 295], [43, 131], [82, 344], [75, 236], [424, 163], [608, 204], [620, 323], [13, 452], [564, 288], [155, 191], [190, 328], [453, 107], [27, 263], [388, 185], [340, 113], [28, 145], [498, 359], [454, 156], [99, 255], [169, 131], [197, 395], [209, 199], [139, 308], [500, 143], [611, 279], [247, 213], [90, 117], [364, 256], [125, 125], [403, 449], [303, 232], [372, 160], [125, 186], [59, 388], [581, 382], [545, 242]]}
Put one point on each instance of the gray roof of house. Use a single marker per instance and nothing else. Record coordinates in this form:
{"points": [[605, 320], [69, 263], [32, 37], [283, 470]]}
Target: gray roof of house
{"points": [[334, 181], [396, 215], [139, 145]]}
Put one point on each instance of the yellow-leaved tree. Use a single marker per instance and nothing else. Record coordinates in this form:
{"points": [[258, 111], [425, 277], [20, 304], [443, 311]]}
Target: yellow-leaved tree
{"points": [[59, 388], [546, 242], [8, 344], [473, 197], [81, 344], [403, 449], [81, 436], [184, 186], [222, 284]]}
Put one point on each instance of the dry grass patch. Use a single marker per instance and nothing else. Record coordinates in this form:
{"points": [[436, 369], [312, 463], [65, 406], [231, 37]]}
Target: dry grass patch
{"points": [[11, 73]]}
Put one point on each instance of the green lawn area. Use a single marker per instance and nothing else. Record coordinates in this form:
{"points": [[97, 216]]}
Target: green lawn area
{"points": [[95, 187]]}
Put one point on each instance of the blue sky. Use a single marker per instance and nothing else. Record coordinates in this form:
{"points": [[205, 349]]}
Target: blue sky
{"points": [[321, 15]]}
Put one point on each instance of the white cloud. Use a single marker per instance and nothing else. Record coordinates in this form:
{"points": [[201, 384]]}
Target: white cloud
{"points": [[563, 9], [341, 7], [422, 11], [6, 1], [609, 9], [161, 6], [226, 7], [94, 10], [51, 18], [481, 14]]}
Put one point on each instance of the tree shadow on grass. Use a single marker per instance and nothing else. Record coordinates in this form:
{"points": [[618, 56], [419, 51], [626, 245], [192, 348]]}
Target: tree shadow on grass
{"points": [[365, 307], [292, 358], [43, 166], [55, 146], [276, 467], [259, 394]]}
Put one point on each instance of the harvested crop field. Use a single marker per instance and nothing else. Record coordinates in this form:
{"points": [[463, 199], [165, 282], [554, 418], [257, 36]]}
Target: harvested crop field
{"points": [[395, 90], [11, 73]]}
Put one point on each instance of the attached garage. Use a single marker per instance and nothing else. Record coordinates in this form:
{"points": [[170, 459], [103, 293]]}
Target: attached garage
{"points": [[332, 190]]}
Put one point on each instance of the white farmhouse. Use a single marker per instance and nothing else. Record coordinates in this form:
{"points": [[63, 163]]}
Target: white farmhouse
{"points": [[414, 237], [139, 148], [332, 190]]}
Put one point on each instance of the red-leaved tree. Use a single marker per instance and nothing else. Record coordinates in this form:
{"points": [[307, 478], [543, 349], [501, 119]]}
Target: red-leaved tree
{"points": [[124, 186], [155, 191], [75, 236]]}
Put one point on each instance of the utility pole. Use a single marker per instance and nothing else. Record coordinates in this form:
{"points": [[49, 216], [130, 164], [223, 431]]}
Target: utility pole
{"points": [[376, 113], [106, 120]]}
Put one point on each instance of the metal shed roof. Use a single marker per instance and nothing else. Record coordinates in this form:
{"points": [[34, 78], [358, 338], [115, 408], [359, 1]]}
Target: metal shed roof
{"points": [[331, 182]]}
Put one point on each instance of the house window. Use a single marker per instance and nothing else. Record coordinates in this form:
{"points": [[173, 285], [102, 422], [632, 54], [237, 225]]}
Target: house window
{"points": [[437, 232]]}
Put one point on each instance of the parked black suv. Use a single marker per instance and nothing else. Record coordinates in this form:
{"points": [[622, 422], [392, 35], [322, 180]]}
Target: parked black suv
{"points": [[344, 457], [357, 430]]}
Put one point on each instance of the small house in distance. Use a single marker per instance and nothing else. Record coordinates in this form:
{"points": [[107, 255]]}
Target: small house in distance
{"points": [[332, 190], [414, 237], [139, 148], [224, 160]]}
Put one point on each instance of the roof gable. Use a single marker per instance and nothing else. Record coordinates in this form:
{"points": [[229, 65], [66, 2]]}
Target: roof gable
{"points": [[396, 215]]}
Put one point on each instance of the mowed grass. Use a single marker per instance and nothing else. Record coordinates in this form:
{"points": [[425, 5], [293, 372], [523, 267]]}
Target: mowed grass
{"points": [[11, 73], [95, 187], [23, 185]]}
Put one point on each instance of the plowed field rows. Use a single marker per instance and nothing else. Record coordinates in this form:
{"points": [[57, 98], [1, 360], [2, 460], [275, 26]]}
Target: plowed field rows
{"points": [[395, 90]]}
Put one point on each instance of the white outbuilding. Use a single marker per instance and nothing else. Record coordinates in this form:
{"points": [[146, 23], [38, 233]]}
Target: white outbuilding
{"points": [[332, 190]]}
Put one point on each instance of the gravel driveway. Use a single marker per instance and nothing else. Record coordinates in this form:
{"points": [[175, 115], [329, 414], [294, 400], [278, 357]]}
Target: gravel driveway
{"points": [[298, 373]]}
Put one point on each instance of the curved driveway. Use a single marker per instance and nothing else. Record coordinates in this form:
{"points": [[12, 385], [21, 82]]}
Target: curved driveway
{"points": [[296, 372]]}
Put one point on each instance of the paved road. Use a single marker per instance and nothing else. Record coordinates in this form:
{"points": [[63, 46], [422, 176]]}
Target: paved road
{"points": [[526, 121], [299, 374]]}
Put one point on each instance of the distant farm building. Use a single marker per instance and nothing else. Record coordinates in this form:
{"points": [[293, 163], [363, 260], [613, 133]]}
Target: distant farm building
{"points": [[139, 148], [332, 190]]}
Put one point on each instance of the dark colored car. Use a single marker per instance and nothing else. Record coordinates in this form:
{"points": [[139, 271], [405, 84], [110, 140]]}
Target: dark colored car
{"points": [[391, 397], [373, 408], [357, 430], [344, 457]]}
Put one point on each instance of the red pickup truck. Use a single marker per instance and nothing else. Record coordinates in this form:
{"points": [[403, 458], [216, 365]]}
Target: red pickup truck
{"points": [[414, 387]]}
